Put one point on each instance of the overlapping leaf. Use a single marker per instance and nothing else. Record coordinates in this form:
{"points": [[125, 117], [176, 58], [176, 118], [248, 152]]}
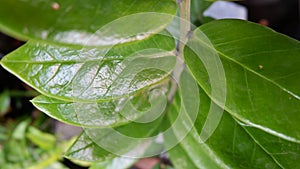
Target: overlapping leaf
{"points": [[262, 72], [77, 22], [106, 113], [86, 150], [116, 163], [230, 146], [84, 74], [94, 143]]}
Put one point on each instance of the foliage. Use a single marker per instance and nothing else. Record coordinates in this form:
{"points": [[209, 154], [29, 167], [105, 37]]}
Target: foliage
{"points": [[97, 68], [28, 147]]}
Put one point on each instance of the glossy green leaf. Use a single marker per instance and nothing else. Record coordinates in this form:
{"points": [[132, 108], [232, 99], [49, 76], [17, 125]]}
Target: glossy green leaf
{"points": [[262, 72], [285, 153], [77, 22], [179, 158], [81, 74], [230, 146], [103, 144], [87, 146], [86, 150], [126, 139], [115, 163], [177, 154], [106, 113]]}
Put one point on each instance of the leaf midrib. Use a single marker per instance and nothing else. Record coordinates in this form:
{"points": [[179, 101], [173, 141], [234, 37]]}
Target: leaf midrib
{"points": [[256, 142], [267, 130], [247, 68]]}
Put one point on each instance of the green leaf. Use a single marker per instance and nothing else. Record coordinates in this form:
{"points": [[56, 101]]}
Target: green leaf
{"points": [[102, 144], [15, 152], [177, 154], [85, 149], [2, 158], [55, 165], [3, 133], [106, 113], [4, 102], [285, 153], [179, 158], [115, 163], [43, 140], [76, 22], [89, 74], [197, 9], [20, 130], [49, 160], [229, 146], [261, 69]]}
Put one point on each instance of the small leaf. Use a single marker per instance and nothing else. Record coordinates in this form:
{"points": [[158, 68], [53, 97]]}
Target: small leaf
{"points": [[261, 69], [77, 22], [20, 130], [92, 74]]}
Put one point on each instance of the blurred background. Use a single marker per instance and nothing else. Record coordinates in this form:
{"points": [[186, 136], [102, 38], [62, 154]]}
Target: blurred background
{"points": [[281, 15]]}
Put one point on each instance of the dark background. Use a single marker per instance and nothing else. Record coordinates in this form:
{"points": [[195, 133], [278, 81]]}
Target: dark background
{"points": [[281, 15]]}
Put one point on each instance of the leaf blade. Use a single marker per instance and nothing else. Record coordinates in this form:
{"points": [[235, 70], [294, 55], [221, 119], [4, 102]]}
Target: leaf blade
{"points": [[250, 76], [105, 113], [69, 73], [228, 144], [75, 22]]}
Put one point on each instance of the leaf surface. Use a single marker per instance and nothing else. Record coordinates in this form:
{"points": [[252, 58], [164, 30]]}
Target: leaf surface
{"points": [[78, 22], [116, 163], [106, 113], [86, 150], [285, 153], [104, 144], [230, 146], [261, 69], [92, 74]]}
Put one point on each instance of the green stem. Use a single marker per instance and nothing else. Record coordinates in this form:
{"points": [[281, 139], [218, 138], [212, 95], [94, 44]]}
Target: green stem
{"points": [[185, 27]]}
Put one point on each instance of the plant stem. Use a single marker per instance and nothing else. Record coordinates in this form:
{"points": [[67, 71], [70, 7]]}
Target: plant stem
{"points": [[185, 27]]}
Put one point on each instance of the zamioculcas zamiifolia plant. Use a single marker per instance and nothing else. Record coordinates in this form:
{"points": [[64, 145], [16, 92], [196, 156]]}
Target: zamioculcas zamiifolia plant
{"points": [[141, 80]]}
